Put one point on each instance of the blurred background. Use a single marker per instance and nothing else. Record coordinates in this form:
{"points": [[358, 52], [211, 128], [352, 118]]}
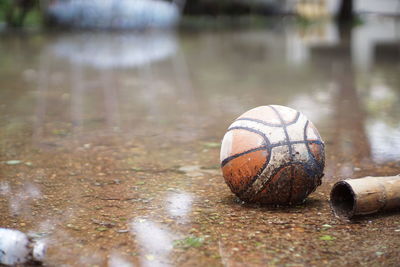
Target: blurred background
{"points": [[337, 61], [134, 13]]}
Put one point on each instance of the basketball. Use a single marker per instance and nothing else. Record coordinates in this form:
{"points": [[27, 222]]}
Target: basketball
{"points": [[272, 155]]}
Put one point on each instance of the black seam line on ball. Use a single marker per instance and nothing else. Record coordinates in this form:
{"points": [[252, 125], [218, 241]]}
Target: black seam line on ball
{"points": [[268, 147], [266, 140], [285, 130], [267, 182], [305, 138], [271, 124], [309, 149], [267, 159], [254, 179], [291, 184], [225, 161], [313, 159]]}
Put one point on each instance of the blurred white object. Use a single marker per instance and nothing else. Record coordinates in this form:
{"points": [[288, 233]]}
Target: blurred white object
{"points": [[39, 250], [16, 247], [114, 14]]}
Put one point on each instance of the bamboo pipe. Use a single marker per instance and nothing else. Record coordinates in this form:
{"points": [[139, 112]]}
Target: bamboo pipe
{"points": [[353, 197]]}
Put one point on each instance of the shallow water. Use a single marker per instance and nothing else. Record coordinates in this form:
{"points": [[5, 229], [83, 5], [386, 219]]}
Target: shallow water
{"points": [[109, 142]]}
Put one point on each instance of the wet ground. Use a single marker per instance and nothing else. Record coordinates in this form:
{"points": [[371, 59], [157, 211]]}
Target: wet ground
{"points": [[109, 143]]}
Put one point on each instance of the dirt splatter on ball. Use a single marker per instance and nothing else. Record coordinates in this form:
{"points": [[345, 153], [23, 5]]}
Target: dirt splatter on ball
{"points": [[272, 155]]}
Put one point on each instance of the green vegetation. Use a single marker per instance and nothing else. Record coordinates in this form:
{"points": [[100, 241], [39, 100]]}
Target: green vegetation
{"points": [[20, 13], [189, 242], [327, 238]]}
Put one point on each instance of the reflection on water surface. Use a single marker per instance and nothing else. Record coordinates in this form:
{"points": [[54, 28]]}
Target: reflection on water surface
{"points": [[114, 141]]}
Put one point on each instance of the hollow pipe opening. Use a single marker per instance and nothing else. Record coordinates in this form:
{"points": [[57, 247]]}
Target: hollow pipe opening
{"points": [[343, 200]]}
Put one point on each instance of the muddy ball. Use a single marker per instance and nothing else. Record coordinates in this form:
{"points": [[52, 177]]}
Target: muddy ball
{"points": [[272, 155]]}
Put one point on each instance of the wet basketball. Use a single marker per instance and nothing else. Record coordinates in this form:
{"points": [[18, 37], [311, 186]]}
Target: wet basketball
{"points": [[272, 155]]}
